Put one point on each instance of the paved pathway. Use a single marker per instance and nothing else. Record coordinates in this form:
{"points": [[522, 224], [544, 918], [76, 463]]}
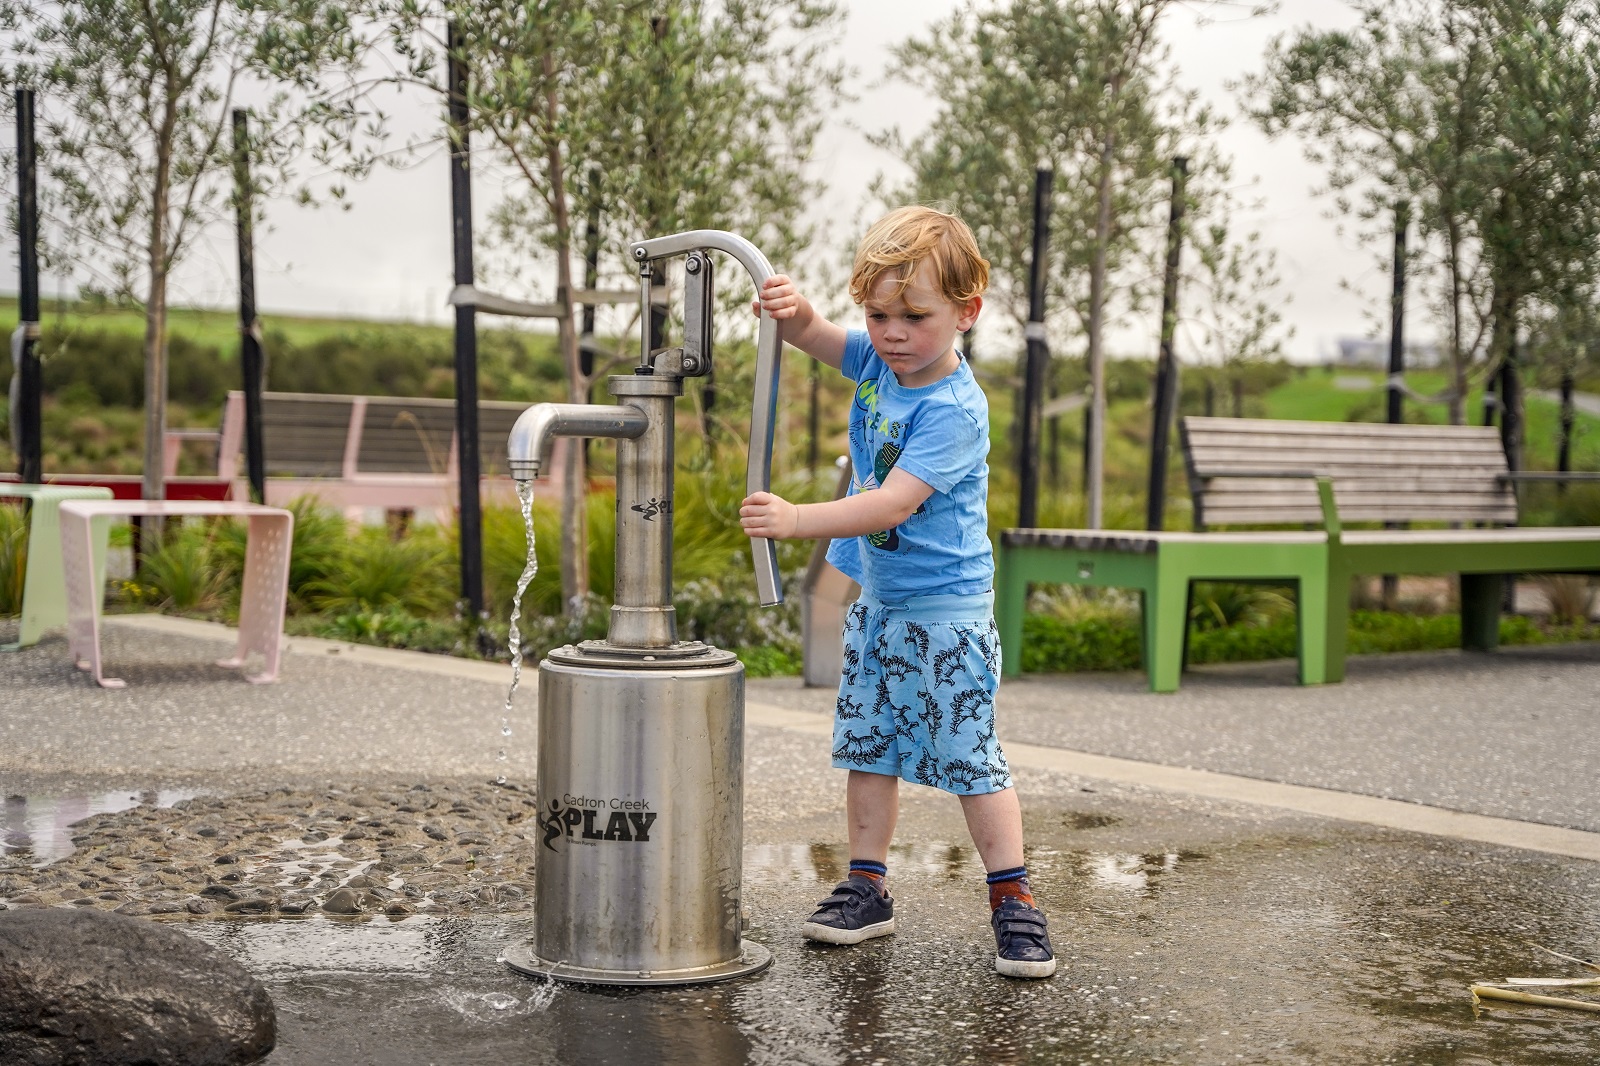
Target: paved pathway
{"points": [[1242, 871]]}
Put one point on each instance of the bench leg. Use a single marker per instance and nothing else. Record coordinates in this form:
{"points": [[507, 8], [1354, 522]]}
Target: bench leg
{"points": [[1311, 622], [1165, 622], [1480, 611], [1336, 625], [1011, 598]]}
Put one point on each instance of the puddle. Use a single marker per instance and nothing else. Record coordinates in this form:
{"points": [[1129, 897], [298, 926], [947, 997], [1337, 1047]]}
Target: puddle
{"points": [[1133, 873], [829, 863], [37, 829]]}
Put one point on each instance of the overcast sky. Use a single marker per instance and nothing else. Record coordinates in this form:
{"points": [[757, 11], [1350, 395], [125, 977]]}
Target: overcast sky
{"points": [[389, 256]]}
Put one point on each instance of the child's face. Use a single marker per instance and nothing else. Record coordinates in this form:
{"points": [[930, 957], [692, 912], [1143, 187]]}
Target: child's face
{"points": [[915, 331]]}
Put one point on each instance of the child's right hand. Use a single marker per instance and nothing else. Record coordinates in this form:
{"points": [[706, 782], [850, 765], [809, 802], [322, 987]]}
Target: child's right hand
{"points": [[778, 297]]}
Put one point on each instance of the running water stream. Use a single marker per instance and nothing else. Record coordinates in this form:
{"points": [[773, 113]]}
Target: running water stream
{"points": [[524, 494]]}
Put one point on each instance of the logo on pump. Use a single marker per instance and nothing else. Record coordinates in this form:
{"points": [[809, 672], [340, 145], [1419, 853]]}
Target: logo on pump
{"points": [[592, 820]]}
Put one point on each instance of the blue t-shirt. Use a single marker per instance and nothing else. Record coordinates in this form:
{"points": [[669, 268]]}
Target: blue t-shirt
{"points": [[939, 434]]}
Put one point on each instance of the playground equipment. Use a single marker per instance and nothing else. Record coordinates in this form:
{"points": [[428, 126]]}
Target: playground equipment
{"points": [[641, 736]]}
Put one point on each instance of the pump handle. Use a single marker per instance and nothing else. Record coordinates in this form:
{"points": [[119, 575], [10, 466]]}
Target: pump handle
{"points": [[769, 357]]}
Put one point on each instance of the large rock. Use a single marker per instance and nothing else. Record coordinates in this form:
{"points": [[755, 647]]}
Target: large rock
{"points": [[97, 989]]}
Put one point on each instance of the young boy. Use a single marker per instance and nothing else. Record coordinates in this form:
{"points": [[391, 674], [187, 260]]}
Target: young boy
{"points": [[921, 656]]}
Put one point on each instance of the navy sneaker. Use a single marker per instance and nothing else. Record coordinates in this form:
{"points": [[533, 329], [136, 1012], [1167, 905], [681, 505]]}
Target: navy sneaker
{"points": [[855, 912], [1022, 941]]}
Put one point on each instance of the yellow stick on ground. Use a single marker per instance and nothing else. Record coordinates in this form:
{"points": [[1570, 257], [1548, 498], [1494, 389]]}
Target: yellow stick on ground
{"points": [[1585, 963], [1553, 982], [1490, 992]]}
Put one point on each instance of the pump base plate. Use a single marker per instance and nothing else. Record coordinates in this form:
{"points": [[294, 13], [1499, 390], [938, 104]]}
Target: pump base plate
{"points": [[753, 958]]}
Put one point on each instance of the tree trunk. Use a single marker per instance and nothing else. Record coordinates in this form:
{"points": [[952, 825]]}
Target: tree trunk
{"points": [[1458, 358], [575, 475], [1095, 446], [1503, 309]]}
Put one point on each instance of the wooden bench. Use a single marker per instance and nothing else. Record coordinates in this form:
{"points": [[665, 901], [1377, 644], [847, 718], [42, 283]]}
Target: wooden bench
{"points": [[361, 452], [1321, 475]]}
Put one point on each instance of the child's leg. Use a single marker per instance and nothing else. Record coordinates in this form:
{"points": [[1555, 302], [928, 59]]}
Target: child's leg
{"points": [[872, 804], [995, 821], [860, 908]]}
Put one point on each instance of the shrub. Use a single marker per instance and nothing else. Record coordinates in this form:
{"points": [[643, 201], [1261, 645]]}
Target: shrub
{"points": [[181, 573], [376, 572], [13, 555]]}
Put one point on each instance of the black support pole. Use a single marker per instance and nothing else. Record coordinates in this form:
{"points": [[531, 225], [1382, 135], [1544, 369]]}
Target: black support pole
{"points": [[1038, 353], [1165, 401], [1397, 315], [1564, 452], [466, 346], [28, 393], [251, 363], [1395, 412]]}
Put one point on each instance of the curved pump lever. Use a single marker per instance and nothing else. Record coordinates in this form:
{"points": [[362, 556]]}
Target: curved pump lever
{"points": [[769, 356]]}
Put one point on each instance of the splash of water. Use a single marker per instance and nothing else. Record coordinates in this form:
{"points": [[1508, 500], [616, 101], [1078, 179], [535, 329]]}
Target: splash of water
{"points": [[524, 494]]}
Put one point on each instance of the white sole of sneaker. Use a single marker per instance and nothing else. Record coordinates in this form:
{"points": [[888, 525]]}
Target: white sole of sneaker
{"points": [[1018, 968], [827, 934]]}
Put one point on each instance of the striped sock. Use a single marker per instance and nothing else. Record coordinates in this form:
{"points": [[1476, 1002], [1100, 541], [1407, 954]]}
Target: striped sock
{"points": [[1013, 882], [868, 870]]}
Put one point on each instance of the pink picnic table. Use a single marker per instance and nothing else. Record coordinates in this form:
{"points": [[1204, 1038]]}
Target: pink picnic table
{"points": [[262, 602]]}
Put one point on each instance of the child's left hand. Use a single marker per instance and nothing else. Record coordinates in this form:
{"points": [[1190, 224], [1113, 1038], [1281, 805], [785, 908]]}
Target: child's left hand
{"points": [[764, 515]]}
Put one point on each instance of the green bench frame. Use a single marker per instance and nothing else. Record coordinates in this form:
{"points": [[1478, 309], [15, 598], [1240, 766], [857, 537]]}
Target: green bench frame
{"points": [[1320, 475]]}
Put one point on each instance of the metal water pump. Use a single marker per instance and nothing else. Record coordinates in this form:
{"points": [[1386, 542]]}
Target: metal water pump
{"points": [[641, 736]]}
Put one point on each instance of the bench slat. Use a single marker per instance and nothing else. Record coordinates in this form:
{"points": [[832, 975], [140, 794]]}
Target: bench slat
{"points": [[1380, 472]]}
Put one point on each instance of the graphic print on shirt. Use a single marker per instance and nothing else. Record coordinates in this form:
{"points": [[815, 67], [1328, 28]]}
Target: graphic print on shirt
{"points": [[875, 425]]}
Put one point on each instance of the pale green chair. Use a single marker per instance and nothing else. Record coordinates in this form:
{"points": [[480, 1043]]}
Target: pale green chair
{"points": [[44, 589]]}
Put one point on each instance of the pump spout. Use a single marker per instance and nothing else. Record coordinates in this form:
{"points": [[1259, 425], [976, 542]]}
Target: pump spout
{"points": [[535, 433]]}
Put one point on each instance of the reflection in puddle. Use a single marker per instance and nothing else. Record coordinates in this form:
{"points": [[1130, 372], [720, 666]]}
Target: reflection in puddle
{"points": [[1134, 873], [37, 829], [828, 863]]}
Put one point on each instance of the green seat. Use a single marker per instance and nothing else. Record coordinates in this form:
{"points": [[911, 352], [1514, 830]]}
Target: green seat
{"points": [[1163, 567], [44, 589]]}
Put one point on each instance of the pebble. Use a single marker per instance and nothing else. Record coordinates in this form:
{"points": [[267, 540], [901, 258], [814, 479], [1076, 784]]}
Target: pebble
{"points": [[461, 848]]}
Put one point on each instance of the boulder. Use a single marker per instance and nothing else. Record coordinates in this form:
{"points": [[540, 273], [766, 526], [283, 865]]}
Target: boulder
{"points": [[98, 989]]}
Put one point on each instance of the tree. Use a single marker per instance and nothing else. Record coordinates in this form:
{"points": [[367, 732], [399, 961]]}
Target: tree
{"points": [[1077, 84], [137, 100], [1481, 113], [669, 101]]}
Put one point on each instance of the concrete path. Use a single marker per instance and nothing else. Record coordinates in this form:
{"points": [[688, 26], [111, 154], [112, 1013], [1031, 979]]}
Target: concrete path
{"points": [[1244, 871]]}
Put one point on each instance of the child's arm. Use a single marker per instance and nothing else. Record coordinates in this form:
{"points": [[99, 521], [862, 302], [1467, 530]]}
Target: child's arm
{"points": [[802, 326], [765, 515]]}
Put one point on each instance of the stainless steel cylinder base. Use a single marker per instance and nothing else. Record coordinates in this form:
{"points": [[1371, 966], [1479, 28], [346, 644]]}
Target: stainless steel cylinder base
{"points": [[640, 824], [753, 958]]}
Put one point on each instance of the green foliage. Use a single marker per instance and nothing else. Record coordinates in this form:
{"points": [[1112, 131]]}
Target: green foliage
{"points": [[13, 556], [181, 573], [378, 572], [1225, 605], [1109, 639], [1054, 645]]}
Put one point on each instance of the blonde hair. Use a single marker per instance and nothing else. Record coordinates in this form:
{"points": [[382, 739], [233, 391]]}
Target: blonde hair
{"points": [[906, 238]]}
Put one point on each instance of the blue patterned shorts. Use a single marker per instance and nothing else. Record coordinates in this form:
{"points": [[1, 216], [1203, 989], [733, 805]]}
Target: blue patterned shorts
{"points": [[916, 695]]}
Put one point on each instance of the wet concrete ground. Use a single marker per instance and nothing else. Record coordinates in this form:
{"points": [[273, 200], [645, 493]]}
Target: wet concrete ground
{"points": [[1190, 929]]}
